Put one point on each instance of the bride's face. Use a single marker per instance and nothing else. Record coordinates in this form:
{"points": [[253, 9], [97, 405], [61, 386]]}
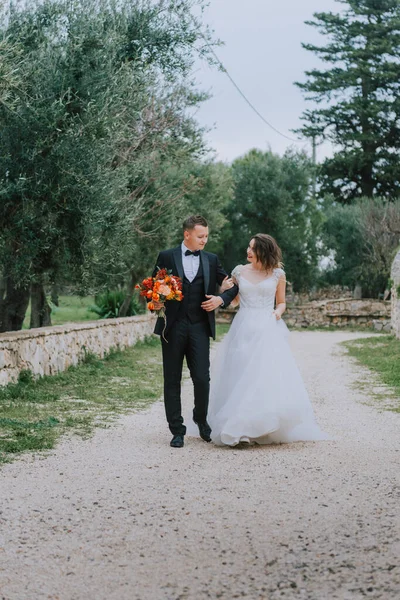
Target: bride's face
{"points": [[251, 255]]}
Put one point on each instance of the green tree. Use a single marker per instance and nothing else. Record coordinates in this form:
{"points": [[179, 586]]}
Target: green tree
{"points": [[55, 155], [362, 239], [94, 162], [272, 195], [380, 224], [343, 242], [11, 84], [210, 195], [357, 98], [165, 163]]}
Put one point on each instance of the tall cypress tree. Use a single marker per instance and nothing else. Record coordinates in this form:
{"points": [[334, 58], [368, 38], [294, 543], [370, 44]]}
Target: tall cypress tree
{"points": [[357, 98]]}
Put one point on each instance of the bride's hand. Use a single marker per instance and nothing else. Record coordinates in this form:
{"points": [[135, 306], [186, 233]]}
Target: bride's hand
{"points": [[227, 284], [277, 315]]}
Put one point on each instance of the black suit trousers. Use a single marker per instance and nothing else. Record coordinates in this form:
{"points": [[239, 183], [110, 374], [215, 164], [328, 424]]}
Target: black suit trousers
{"points": [[190, 340]]}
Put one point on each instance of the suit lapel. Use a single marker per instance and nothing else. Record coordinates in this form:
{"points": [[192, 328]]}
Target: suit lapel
{"points": [[206, 270], [177, 252]]}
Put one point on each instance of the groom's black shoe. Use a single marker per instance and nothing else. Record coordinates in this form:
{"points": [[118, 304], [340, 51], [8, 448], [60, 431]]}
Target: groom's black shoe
{"points": [[177, 441], [204, 430]]}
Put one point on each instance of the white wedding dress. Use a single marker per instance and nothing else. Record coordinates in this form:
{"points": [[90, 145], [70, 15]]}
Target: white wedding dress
{"points": [[257, 393]]}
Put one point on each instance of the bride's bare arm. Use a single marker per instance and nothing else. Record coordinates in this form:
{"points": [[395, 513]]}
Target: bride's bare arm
{"points": [[280, 298], [235, 302]]}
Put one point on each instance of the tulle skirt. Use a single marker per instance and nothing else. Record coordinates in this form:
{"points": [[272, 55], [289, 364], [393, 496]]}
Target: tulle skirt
{"points": [[257, 392]]}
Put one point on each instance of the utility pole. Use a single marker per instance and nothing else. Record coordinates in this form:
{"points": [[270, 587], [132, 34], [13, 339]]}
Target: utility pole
{"points": [[314, 163]]}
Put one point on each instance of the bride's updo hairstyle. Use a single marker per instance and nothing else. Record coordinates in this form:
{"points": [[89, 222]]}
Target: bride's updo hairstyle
{"points": [[267, 251]]}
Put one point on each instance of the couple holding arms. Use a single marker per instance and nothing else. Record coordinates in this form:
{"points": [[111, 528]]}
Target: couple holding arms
{"points": [[257, 394]]}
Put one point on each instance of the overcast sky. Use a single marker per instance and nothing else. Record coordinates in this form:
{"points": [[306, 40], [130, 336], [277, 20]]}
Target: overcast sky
{"points": [[263, 54]]}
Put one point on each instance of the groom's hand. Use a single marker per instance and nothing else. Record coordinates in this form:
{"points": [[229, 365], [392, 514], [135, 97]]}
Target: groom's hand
{"points": [[158, 305], [212, 303]]}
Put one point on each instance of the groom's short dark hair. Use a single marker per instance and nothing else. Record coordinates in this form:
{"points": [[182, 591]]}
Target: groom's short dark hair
{"points": [[192, 221]]}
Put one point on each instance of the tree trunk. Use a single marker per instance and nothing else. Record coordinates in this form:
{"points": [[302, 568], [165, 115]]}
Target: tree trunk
{"points": [[367, 180], [130, 289], [368, 145], [40, 310], [13, 305], [54, 294], [3, 289]]}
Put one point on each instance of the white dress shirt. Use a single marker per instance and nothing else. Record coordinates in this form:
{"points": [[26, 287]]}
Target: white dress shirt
{"points": [[191, 263]]}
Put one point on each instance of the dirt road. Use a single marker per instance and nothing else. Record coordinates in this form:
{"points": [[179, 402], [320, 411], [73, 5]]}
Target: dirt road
{"points": [[123, 516]]}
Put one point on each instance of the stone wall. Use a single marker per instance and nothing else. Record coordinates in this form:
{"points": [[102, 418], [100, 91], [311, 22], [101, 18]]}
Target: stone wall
{"points": [[49, 350], [395, 275], [340, 313], [331, 292]]}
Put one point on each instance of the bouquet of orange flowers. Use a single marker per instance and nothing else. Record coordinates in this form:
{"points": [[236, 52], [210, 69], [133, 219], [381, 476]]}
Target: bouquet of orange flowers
{"points": [[164, 286]]}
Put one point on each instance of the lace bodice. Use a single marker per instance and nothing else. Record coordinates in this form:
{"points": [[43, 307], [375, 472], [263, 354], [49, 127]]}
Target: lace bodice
{"points": [[259, 294]]}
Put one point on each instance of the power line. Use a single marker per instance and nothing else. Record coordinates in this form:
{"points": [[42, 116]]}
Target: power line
{"points": [[245, 97]]}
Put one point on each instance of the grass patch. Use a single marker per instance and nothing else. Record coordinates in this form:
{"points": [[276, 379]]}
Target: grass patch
{"points": [[381, 354], [71, 309], [35, 413]]}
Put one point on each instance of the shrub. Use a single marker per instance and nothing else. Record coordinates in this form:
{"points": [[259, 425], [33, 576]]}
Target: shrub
{"points": [[108, 304]]}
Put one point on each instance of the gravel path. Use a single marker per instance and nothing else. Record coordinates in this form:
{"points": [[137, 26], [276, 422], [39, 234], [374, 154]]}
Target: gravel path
{"points": [[123, 516]]}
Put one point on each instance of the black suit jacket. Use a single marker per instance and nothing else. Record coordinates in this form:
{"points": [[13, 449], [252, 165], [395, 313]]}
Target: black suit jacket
{"points": [[213, 273]]}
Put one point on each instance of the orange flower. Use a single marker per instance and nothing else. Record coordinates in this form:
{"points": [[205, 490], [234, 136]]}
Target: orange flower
{"points": [[156, 297], [149, 294], [148, 283], [150, 306]]}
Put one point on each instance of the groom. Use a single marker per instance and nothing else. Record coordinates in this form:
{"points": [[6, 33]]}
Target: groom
{"points": [[190, 324]]}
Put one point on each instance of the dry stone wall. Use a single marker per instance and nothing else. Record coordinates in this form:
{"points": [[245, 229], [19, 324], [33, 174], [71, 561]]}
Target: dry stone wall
{"points": [[395, 275], [340, 313], [49, 350]]}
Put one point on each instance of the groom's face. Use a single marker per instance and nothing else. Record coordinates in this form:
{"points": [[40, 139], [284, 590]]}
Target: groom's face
{"points": [[196, 239]]}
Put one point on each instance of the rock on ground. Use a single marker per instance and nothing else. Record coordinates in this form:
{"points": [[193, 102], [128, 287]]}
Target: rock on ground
{"points": [[123, 516]]}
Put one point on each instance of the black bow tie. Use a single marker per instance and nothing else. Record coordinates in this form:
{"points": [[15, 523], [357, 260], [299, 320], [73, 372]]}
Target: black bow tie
{"points": [[195, 253]]}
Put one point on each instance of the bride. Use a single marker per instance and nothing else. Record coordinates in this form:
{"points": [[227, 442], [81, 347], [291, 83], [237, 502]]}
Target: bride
{"points": [[257, 393]]}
